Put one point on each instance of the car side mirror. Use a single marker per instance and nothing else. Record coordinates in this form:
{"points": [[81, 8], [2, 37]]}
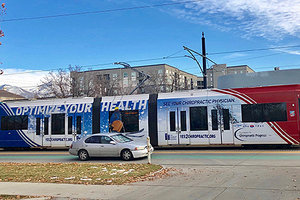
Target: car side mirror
{"points": [[113, 142]]}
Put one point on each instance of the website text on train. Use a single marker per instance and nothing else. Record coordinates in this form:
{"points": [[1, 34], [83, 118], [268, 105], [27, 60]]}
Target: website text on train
{"points": [[262, 115]]}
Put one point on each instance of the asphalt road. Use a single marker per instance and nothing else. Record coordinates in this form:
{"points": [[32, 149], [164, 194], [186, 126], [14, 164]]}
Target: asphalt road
{"points": [[206, 174], [169, 157]]}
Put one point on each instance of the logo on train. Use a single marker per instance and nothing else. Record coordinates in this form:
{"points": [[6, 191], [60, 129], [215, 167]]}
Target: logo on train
{"points": [[292, 113]]}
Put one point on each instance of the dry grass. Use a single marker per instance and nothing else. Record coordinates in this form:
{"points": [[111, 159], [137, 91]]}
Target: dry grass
{"points": [[77, 173], [13, 197]]}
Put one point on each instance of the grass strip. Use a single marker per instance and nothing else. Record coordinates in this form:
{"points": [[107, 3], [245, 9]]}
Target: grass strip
{"points": [[14, 197], [77, 173]]}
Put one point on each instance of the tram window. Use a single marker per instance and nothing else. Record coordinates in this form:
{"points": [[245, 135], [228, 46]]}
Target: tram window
{"points": [[226, 119], [198, 118], [38, 126], [275, 112], [78, 124], [70, 123], [58, 124], [214, 119], [46, 125], [252, 113], [130, 119], [183, 120], [266, 112], [14, 122], [172, 121]]}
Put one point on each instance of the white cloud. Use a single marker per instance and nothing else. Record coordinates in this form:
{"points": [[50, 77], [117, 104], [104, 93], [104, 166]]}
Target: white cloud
{"points": [[294, 52], [26, 79], [235, 55], [272, 19]]}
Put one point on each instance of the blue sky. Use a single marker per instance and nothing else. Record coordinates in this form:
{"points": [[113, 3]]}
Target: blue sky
{"points": [[141, 34]]}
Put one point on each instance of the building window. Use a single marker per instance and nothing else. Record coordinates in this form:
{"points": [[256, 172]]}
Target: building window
{"points": [[125, 75], [99, 77], [133, 76], [106, 77], [160, 71], [115, 76]]}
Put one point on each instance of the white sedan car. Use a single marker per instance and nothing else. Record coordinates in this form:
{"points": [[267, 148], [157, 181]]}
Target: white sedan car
{"points": [[108, 145]]}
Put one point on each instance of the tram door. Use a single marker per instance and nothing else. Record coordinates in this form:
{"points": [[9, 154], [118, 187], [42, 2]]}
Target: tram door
{"points": [[71, 129], [177, 126], [74, 126], [58, 130], [45, 132], [42, 131], [220, 126]]}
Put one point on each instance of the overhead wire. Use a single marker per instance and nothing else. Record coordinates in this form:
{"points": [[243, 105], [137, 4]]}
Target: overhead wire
{"points": [[249, 50], [171, 56], [98, 11]]}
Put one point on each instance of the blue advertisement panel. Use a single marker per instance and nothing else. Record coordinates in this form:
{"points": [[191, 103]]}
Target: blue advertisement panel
{"points": [[134, 117]]}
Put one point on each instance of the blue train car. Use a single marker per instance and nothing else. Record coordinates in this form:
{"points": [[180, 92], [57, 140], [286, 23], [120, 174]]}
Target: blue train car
{"points": [[44, 123]]}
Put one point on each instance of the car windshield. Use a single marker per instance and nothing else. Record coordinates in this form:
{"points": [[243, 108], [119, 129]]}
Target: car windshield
{"points": [[121, 138]]}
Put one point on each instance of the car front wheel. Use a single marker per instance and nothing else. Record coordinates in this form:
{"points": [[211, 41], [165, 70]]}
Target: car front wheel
{"points": [[126, 155], [83, 155]]}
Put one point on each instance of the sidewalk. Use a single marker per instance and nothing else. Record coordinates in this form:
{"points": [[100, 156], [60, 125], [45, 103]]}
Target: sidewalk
{"points": [[65, 191]]}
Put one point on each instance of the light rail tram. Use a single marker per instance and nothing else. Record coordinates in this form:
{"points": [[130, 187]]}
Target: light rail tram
{"points": [[258, 115]]}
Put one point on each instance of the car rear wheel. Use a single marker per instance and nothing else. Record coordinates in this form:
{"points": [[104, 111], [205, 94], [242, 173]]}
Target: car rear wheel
{"points": [[83, 155], [126, 155]]}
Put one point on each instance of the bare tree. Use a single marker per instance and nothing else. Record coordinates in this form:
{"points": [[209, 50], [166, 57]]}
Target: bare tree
{"points": [[105, 86], [155, 84], [56, 84]]}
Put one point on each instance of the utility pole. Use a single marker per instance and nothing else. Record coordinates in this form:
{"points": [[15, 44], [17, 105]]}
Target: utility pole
{"points": [[204, 62], [204, 57]]}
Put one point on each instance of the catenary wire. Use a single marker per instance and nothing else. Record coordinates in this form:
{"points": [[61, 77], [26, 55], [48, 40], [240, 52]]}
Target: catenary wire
{"points": [[249, 50], [160, 58], [98, 11]]}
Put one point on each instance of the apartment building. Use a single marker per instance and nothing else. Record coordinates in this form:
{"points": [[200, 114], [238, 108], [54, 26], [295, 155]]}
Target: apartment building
{"points": [[121, 81], [220, 70]]}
